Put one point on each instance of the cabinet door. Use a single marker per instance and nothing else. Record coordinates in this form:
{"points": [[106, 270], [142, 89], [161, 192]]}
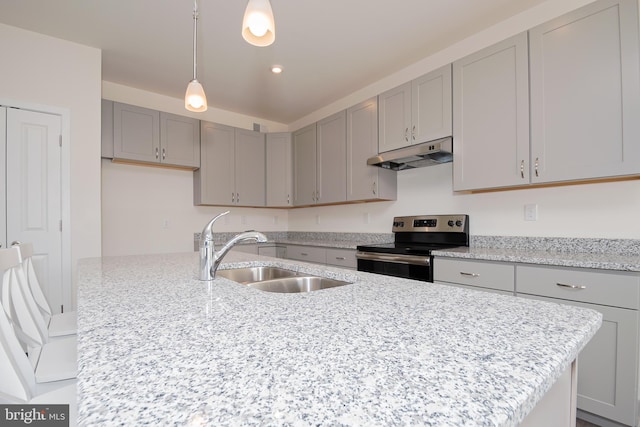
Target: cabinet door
{"points": [[307, 253], [304, 166], [279, 169], [607, 366], [491, 117], [136, 133], [431, 106], [394, 126], [250, 176], [107, 129], [366, 182], [214, 181], [332, 158], [179, 140], [585, 96]]}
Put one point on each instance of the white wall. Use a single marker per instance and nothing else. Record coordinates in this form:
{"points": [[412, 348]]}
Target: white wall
{"points": [[41, 70], [605, 210], [150, 210]]}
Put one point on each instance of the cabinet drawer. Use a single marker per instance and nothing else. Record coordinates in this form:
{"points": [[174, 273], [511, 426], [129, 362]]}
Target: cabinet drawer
{"points": [[307, 253], [483, 274], [342, 258], [616, 289]]}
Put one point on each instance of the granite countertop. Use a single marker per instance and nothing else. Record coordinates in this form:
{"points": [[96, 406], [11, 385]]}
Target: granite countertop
{"points": [[156, 346], [605, 254]]}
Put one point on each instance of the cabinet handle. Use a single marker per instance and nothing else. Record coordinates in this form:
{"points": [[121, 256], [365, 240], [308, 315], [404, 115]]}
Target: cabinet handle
{"points": [[164, 154], [304, 254], [233, 197], [413, 132], [536, 166], [462, 273], [406, 134], [340, 258], [522, 169], [157, 153], [373, 188], [576, 287], [288, 196], [237, 197]]}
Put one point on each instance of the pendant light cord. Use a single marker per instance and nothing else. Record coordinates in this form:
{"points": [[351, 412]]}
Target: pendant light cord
{"points": [[195, 35]]}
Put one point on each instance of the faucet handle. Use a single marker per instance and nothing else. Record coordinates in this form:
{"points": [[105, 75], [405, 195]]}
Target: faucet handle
{"points": [[207, 231]]}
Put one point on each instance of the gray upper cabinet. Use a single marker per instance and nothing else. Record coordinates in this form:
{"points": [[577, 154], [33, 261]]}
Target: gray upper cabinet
{"points": [[319, 162], [366, 182], [332, 158], [179, 140], [137, 134], [416, 111], [581, 121], [491, 111], [232, 171], [585, 94], [279, 170], [304, 166], [250, 158]]}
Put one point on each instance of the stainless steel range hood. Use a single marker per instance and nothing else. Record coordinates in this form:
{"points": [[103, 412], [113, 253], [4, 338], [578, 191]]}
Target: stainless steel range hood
{"points": [[416, 156]]}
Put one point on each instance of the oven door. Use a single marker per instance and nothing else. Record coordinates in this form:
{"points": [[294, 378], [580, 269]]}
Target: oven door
{"points": [[414, 267]]}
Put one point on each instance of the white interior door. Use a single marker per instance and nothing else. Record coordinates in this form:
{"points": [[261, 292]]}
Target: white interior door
{"points": [[33, 201], [3, 184]]}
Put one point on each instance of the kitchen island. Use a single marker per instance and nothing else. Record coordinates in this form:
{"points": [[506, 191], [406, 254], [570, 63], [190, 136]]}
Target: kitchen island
{"points": [[156, 346]]}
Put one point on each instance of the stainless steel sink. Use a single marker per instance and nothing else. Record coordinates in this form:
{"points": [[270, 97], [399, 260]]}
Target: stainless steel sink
{"points": [[275, 279], [297, 284], [255, 274]]}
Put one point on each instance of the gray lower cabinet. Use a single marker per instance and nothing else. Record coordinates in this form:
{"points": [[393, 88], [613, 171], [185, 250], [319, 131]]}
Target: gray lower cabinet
{"points": [[608, 366], [493, 276], [142, 135], [345, 258], [232, 171], [275, 251]]}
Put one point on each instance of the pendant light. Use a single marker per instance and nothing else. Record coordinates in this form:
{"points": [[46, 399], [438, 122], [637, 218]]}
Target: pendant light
{"points": [[258, 26], [195, 99]]}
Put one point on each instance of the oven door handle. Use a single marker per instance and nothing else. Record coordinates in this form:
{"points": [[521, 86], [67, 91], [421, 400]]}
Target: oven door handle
{"points": [[397, 259]]}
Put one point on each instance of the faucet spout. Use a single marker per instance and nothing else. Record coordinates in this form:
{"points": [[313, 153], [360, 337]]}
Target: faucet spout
{"points": [[210, 259]]}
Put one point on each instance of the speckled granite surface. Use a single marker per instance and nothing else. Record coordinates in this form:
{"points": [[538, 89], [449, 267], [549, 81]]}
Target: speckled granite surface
{"points": [[158, 347], [606, 254]]}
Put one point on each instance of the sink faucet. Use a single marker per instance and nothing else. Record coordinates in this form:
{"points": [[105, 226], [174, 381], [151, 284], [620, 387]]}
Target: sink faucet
{"points": [[209, 258]]}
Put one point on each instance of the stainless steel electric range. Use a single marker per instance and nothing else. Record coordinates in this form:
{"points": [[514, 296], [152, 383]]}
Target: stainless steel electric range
{"points": [[415, 237]]}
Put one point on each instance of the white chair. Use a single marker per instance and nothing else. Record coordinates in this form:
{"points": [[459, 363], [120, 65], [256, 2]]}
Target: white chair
{"points": [[50, 360], [57, 324]]}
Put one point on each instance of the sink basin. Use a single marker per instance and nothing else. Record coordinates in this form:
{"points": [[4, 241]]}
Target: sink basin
{"points": [[275, 279], [255, 274], [297, 284]]}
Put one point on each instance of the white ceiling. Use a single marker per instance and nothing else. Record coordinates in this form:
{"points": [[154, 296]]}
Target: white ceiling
{"points": [[329, 48]]}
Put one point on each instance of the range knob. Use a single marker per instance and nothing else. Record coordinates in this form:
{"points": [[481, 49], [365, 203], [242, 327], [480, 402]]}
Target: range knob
{"points": [[450, 223], [458, 223]]}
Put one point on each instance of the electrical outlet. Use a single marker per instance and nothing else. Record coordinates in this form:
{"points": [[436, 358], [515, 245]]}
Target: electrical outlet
{"points": [[366, 218], [165, 223], [318, 219], [531, 212], [243, 219]]}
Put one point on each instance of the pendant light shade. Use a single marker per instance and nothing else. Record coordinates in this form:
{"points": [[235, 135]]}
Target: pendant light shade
{"points": [[258, 25], [195, 99]]}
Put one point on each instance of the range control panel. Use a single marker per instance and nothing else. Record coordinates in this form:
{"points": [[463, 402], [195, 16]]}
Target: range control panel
{"points": [[431, 223]]}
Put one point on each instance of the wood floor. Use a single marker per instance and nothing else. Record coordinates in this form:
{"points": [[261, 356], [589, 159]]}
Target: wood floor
{"points": [[583, 423]]}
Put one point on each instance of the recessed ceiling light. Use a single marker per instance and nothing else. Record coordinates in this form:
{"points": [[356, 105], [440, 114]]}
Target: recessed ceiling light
{"points": [[276, 69]]}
